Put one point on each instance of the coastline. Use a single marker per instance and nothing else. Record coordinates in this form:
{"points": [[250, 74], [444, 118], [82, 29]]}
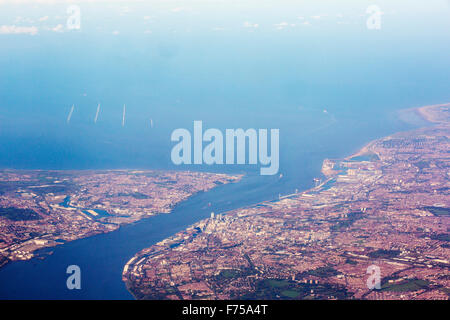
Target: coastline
{"points": [[127, 235], [424, 112], [428, 113], [163, 248]]}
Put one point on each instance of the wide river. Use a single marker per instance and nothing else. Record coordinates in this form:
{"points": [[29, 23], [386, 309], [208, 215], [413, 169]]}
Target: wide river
{"points": [[102, 257]]}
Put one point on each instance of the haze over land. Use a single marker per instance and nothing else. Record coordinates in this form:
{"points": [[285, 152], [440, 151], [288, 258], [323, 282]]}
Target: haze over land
{"points": [[388, 206], [107, 96]]}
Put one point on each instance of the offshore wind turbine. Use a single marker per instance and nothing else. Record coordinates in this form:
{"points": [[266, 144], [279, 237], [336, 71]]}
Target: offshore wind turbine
{"points": [[70, 114], [123, 115], [96, 115]]}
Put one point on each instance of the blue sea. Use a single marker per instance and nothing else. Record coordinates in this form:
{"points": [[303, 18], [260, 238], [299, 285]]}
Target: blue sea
{"points": [[314, 71]]}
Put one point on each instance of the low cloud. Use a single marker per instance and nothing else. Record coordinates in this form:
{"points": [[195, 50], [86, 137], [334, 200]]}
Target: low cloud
{"points": [[250, 25], [181, 9], [124, 10], [58, 28], [20, 19], [59, 1], [12, 29], [319, 16], [178, 9], [284, 24]]}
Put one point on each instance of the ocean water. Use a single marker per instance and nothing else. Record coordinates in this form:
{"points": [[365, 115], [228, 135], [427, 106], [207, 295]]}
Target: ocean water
{"points": [[330, 85]]}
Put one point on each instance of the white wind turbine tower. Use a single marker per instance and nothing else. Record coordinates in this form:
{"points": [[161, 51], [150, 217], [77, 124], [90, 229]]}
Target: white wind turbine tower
{"points": [[123, 115], [98, 112], [70, 114]]}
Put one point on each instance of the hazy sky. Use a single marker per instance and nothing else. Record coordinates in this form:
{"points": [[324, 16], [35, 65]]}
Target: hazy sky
{"points": [[230, 63], [158, 16]]}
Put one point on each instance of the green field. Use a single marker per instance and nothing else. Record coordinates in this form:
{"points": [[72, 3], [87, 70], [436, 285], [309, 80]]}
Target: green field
{"points": [[323, 272], [438, 211], [231, 273], [269, 289], [384, 254], [405, 286], [17, 214], [366, 157]]}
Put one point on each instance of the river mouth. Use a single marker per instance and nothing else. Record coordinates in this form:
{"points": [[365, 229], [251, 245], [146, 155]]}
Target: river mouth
{"points": [[102, 258]]}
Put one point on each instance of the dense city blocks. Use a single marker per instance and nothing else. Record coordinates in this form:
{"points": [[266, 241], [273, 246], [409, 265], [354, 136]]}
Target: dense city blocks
{"points": [[45, 208], [386, 206]]}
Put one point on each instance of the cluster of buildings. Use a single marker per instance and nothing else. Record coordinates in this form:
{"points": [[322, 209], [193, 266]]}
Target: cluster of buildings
{"points": [[387, 206], [45, 208]]}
